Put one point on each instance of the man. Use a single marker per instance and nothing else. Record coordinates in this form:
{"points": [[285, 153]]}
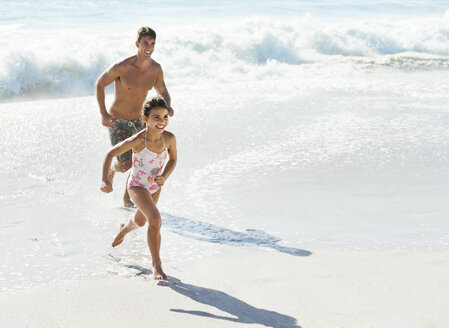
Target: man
{"points": [[133, 78]]}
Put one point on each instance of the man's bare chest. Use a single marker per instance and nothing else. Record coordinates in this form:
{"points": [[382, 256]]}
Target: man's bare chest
{"points": [[134, 80]]}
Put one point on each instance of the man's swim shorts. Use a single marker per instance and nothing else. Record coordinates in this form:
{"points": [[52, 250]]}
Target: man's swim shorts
{"points": [[123, 129]]}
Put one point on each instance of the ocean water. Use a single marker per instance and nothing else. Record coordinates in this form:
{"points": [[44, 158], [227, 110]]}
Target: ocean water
{"points": [[300, 125]]}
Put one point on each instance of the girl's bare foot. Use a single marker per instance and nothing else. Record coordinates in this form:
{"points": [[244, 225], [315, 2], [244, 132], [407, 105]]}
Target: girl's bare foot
{"points": [[159, 273], [119, 238]]}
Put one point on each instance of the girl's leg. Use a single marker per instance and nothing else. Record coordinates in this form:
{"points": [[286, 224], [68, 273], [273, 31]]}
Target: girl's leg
{"points": [[137, 221], [144, 202], [155, 197]]}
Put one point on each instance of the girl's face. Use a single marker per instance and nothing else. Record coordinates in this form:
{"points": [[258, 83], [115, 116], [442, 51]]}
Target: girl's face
{"points": [[157, 120]]}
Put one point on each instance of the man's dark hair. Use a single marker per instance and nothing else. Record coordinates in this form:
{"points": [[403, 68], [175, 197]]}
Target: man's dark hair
{"points": [[145, 31], [153, 103]]}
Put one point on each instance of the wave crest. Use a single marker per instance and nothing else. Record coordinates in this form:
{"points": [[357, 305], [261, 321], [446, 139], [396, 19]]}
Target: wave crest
{"points": [[255, 48]]}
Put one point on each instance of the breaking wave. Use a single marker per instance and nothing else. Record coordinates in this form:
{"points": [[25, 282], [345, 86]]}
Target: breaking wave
{"points": [[64, 63]]}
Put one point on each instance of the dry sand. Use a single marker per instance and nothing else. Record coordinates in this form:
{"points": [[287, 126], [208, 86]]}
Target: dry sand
{"points": [[328, 288]]}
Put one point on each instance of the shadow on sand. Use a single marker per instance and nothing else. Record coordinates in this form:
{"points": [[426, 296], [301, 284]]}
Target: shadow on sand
{"points": [[238, 310], [207, 232]]}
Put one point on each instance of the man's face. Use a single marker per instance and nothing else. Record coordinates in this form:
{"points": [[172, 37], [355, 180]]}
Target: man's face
{"points": [[146, 46]]}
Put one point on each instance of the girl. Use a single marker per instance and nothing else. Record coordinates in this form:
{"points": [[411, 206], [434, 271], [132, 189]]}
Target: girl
{"points": [[150, 147]]}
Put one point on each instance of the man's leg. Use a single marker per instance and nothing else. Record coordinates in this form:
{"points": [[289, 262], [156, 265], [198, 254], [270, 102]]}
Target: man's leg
{"points": [[127, 202], [123, 166], [118, 132]]}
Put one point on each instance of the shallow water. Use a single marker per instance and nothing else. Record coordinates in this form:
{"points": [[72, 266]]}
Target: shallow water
{"points": [[301, 170]]}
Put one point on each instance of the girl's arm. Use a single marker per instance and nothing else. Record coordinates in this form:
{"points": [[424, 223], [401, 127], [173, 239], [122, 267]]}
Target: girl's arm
{"points": [[171, 145], [118, 149]]}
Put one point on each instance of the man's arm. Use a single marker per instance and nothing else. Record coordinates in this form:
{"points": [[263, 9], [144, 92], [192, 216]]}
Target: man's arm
{"points": [[161, 89], [108, 76]]}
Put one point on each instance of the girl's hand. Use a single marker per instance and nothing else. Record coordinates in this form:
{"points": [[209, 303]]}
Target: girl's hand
{"points": [[160, 180], [106, 187]]}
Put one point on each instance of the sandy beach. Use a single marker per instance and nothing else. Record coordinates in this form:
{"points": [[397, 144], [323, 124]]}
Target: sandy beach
{"points": [[256, 287], [312, 176]]}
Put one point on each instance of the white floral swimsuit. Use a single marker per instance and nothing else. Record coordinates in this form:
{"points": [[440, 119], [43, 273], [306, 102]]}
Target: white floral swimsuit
{"points": [[146, 166]]}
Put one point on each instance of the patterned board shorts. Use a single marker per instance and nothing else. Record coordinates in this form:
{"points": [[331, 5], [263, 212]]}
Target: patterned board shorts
{"points": [[123, 129]]}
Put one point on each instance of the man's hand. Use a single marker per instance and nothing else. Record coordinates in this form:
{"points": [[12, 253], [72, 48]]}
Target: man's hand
{"points": [[106, 187], [160, 180], [107, 119], [171, 111]]}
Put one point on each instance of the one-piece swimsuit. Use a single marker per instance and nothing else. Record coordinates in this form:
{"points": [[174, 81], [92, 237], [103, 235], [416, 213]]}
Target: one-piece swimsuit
{"points": [[146, 166]]}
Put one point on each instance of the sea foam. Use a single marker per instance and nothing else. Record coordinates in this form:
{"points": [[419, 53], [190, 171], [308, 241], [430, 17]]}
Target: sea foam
{"points": [[66, 62]]}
